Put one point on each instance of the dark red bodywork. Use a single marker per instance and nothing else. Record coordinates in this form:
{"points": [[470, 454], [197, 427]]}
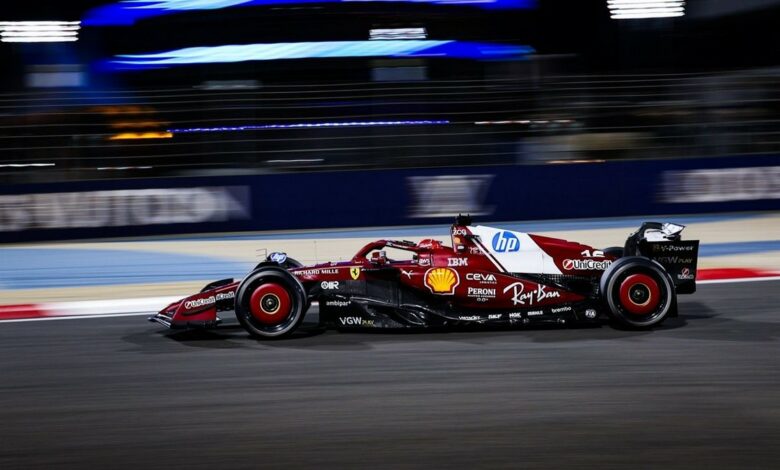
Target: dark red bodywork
{"points": [[461, 275]]}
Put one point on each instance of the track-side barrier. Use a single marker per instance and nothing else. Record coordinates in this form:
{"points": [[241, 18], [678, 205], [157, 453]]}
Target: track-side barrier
{"points": [[143, 207]]}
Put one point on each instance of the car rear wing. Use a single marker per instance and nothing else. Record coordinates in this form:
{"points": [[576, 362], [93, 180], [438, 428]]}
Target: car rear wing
{"points": [[662, 242]]}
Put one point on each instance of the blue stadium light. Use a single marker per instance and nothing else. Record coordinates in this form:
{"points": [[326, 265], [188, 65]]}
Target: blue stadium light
{"points": [[307, 125], [127, 12], [318, 50]]}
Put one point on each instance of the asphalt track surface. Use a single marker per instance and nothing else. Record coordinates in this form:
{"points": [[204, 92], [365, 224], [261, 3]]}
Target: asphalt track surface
{"points": [[703, 391]]}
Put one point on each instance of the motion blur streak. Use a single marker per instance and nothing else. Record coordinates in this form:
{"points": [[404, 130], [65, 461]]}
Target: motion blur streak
{"points": [[141, 135], [126, 13], [308, 125], [324, 49]]}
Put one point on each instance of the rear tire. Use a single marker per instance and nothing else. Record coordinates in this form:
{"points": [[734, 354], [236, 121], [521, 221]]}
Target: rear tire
{"points": [[638, 292], [270, 302]]}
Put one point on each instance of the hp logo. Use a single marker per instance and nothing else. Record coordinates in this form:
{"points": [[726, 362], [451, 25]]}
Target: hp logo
{"points": [[505, 242]]}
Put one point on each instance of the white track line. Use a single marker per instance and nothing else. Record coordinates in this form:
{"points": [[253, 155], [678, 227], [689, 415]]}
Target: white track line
{"points": [[107, 307], [743, 279], [92, 305], [78, 317]]}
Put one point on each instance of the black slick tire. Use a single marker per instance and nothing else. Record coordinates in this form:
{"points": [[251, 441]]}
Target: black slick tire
{"points": [[278, 309], [638, 292]]}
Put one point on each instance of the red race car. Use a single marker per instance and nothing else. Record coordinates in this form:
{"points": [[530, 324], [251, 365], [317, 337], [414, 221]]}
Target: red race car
{"points": [[488, 276]]}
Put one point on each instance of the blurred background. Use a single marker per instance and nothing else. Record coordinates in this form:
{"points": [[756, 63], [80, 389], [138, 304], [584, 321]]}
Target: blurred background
{"points": [[138, 118], [150, 147]]}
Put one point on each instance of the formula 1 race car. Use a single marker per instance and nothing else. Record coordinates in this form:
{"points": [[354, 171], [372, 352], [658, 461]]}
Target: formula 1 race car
{"points": [[489, 276]]}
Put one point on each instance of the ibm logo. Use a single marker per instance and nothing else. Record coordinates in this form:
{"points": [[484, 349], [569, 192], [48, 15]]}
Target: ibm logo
{"points": [[505, 242]]}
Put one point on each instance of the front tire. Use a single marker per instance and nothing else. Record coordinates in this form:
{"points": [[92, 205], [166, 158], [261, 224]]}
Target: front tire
{"points": [[638, 292], [270, 302]]}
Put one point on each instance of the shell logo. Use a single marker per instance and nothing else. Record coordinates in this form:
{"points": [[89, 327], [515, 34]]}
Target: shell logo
{"points": [[442, 280]]}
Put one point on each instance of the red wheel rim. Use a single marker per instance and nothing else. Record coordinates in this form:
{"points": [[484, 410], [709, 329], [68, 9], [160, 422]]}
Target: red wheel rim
{"points": [[640, 294], [270, 304]]}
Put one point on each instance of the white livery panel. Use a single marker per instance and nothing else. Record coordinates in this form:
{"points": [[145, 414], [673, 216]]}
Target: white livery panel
{"points": [[514, 252]]}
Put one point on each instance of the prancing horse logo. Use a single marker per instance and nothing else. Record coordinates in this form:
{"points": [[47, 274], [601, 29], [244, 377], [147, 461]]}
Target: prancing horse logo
{"points": [[354, 272]]}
